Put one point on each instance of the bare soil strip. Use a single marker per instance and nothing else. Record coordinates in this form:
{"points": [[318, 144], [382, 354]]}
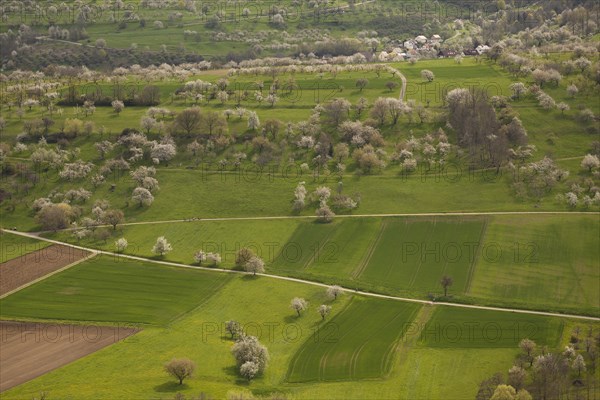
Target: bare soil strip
{"points": [[33, 349], [20, 271]]}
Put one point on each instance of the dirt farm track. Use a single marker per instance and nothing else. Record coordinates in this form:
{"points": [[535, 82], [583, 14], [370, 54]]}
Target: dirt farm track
{"points": [[33, 349]]}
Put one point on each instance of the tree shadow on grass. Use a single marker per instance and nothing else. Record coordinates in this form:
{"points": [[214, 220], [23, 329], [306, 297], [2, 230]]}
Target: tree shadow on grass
{"points": [[232, 371], [170, 387], [290, 319]]}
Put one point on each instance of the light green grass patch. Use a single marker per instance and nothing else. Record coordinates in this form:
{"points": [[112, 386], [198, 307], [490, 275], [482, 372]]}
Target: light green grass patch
{"points": [[541, 260], [106, 289]]}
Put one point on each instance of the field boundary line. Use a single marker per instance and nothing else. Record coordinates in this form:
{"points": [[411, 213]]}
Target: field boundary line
{"points": [[357, 272], [319, 284], [413, 279], [402, 344], [476, 257], [317, 252], [93, 253]]}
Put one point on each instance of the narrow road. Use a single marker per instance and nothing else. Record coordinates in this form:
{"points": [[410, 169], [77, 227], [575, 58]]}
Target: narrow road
{"points": [[283, 217], [307, 282]]}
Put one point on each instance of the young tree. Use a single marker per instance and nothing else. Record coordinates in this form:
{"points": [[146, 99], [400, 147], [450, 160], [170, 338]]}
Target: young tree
{"points": [[181, 369], [103, 148], [200, 257], [518, 89], [324, 214], [590, 162], [446, 282], [572, 90], [213, 258], [528, 346], [113, 217], [579, 364], [563, 107], [427, 75], [254, 265], [391, 85], [334, 291], [324, 310], [361, 105], [298, 304], [362, 83], [253, 121], [242, 256], [233, 328], [117, 106], [121, 245], [162, 246], [142, 196]]}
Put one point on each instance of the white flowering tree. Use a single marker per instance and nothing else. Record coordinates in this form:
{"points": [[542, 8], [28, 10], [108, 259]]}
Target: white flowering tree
{"points": [[162, 246], [298, 304], [254, 265], [142, 196], [121, 244]]}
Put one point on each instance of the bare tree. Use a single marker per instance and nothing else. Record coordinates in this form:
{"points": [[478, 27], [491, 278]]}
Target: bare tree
{"points": [[242, 256], [362, 83], [446, 282], [113, 217], [189, 120]]}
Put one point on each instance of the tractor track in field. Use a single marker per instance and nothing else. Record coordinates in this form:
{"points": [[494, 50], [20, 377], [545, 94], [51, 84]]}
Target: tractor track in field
{"points": [[308, 282]]}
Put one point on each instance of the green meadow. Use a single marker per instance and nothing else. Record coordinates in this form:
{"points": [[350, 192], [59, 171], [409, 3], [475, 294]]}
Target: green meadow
{"points": [[382, 341], [107, 289], [360, 344]]}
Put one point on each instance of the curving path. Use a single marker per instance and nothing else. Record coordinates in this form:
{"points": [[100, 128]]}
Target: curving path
{"points": [[382, 296]]}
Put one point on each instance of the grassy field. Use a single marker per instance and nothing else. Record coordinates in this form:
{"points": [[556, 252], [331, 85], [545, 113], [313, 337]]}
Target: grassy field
{"points": [[361, 344], [13, 246], [106, 289], [540, 261], [413, 254], [451, 327], [416, 369], [533, 261]]}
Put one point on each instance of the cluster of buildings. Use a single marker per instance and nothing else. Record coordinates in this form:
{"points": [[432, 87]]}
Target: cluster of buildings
{"points": [[421, 46]]}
